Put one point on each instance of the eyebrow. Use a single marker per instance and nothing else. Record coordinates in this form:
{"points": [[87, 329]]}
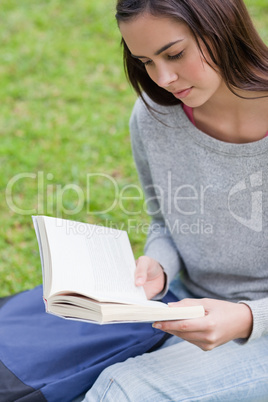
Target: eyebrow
{"points": [[161, 50]]}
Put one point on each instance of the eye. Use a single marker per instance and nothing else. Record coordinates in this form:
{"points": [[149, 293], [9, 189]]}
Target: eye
{"points": [[146, 63], [176, 56]]}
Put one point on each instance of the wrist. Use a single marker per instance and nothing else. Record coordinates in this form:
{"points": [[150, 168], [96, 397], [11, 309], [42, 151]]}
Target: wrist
{"points": [[164, 279], [246, 320]]}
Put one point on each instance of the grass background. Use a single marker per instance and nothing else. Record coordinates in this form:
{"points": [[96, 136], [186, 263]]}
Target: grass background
{"points": [[65, 106]]}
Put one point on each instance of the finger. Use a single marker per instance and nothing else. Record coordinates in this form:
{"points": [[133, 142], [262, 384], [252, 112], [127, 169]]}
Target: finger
{"points": [[183, 326], [142, 265], [187, 302], [194, 339]]}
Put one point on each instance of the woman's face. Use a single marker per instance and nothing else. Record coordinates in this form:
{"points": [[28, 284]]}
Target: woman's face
{"points": [[172, 58]]}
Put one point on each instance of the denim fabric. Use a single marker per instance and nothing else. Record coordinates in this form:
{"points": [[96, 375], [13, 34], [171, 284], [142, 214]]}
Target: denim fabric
{"points": [[183, 372], [180, 371]]}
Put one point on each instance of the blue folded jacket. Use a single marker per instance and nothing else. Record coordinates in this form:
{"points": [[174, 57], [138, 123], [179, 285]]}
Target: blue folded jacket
{"points": [[47, 358]]}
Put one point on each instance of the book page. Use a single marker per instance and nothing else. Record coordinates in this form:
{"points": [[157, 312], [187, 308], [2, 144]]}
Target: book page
{"points": [[44, 254], [92, 260]]}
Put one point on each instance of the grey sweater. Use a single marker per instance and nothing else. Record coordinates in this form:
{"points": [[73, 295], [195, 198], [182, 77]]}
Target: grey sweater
{"points": [[208, 201]]}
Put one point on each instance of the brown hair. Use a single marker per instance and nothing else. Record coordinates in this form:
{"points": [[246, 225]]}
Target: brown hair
{"points": [[222, 25]]}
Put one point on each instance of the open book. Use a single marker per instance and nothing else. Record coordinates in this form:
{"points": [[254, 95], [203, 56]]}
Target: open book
{"points": [[88, 274]]}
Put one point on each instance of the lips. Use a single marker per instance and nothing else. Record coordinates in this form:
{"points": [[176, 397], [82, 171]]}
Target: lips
{"points": [[182, 93]]}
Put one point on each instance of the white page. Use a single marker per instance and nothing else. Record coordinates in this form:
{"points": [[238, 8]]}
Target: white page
{"points": [[36, 227], [92, 260], [44, 254]]}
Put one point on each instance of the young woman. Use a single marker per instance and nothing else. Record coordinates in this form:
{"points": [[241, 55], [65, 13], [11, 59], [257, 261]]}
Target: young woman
{"points": [[199, 133]]}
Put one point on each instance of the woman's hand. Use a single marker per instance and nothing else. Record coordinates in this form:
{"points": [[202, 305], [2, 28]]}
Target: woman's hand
{"points": [[223, 322], [150, 275]]}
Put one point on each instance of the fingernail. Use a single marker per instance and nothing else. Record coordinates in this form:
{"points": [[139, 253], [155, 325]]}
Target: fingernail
{"points": [[139, 281], [158, 326]]}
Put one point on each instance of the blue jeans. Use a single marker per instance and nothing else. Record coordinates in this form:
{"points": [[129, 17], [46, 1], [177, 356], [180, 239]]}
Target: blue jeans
{"points": [[180, 371]]}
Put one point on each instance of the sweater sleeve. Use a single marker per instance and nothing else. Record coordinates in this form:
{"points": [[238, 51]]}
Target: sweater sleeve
{"points": [[159, 244], [259, 309]]}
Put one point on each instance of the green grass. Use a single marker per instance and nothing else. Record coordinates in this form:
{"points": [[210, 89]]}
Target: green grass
{"points": [[65, 106]]}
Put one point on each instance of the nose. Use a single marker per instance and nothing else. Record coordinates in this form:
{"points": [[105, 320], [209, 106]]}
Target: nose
{"points": [[165, 76]]}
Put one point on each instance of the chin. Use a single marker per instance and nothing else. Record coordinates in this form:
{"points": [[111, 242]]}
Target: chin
{"points": [[194, 102]]}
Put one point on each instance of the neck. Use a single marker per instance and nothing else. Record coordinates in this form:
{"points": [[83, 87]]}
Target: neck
{"points": [[231, 118], [226, 101]]}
